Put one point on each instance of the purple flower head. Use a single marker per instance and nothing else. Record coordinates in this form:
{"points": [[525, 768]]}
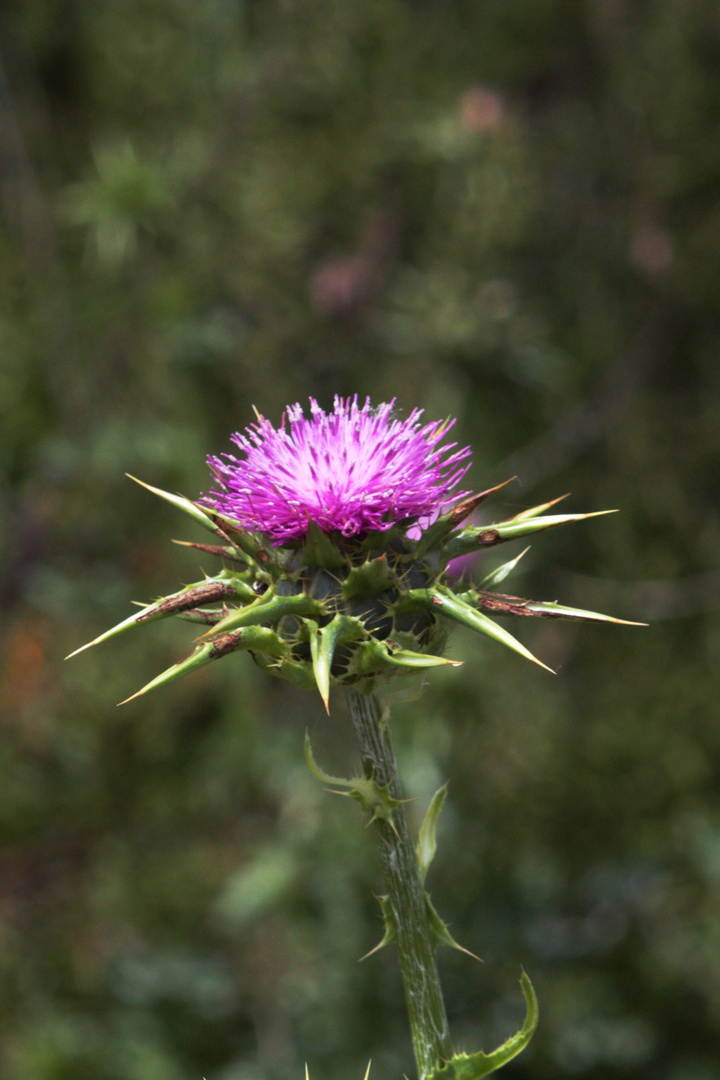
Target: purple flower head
{"points": [[350, 471]]}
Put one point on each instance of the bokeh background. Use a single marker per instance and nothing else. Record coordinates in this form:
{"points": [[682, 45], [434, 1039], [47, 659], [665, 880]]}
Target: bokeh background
{"points": [[507, 211]]}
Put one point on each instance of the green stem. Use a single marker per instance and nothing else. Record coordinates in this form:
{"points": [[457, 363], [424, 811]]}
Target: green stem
{"points": [[423, 994]]}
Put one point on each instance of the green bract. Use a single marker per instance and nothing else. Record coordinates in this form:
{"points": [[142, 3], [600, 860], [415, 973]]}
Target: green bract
{"points": [[330, 608]]}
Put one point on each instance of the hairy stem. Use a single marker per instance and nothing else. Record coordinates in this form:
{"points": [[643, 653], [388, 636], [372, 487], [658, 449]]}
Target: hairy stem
{"points": [[423, 994]]}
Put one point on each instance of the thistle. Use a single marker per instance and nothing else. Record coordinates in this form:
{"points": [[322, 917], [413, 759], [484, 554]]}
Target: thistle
{"points": [[336, 535]]}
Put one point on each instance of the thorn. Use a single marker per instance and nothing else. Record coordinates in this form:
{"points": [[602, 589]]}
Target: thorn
{"points": [[554, 502], [81, 649], [141, 482], [540, 664], [461, 948], [531, 511], [377, 948], [381, 817], [465, 508], [132, 696]]}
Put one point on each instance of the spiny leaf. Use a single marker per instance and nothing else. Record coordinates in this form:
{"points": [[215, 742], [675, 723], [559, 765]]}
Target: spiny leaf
{"points": [[453, 607], [440, 933], [297, 672], [549, 610], [522, 526], [131, 620], [438, 929], [188, 507], [323, 643], [374, 799], [269, 608], [372, 656], [319, 773], [475, 1066], [501, 604], [406, 658], [202, 592], [319, 550], [369, 578], [253, 637], [390, 934], [469, 540]]}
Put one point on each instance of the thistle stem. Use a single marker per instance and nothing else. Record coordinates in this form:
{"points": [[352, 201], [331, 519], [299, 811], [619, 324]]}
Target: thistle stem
{"points": [[423, 994]]}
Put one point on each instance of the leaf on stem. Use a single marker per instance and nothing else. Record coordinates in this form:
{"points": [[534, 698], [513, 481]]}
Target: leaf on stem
{"points": [[439, 930], [319, 773], [390, 934], [374, 799], [426, 845], [476, 1066]]}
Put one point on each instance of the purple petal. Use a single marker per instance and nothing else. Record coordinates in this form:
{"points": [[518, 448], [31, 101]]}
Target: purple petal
{"points": [[350, 470]]}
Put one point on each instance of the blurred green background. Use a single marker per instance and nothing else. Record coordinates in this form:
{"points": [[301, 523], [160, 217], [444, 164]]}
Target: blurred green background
{"points": [[503, 210]]}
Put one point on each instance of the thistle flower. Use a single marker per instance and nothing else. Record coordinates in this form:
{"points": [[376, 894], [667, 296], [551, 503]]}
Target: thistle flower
{"points": [[335, 536], [350, 471]]}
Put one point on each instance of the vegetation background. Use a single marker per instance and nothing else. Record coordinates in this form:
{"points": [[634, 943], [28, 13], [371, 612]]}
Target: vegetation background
{"points": [[503, 210]]}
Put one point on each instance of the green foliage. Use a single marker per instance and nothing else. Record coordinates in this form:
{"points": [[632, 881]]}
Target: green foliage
{"points": [[503, 211]]}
